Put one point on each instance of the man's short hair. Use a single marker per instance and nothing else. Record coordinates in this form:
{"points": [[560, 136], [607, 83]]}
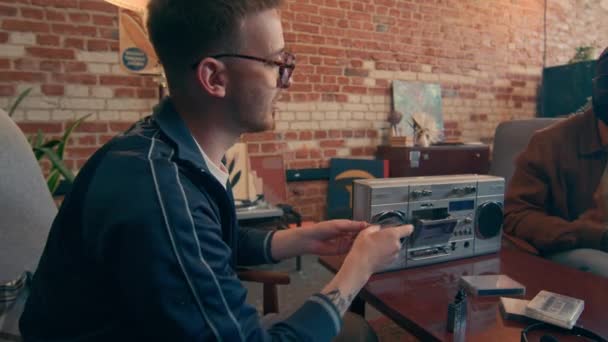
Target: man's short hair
{"points": [[183, 31]]}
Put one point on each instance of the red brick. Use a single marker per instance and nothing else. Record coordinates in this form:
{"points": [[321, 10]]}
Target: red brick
{"points": [[108, 33], [56, 3], [25, 26], [47, 65], [75, 67], [372, 133], [32, 13], [308, 164], [74, 30], [331, 143], [147, 93], [16, 76], [104, 138], [302, 154], [320, 134], [104, 20], [80, 152], [46, 127], [133, 81], [75, 78], [263, 136], [3, 37], [328, 153], [98, 45], [77, 43], [305, 135], [25, 64], [6, 11], [347, 133], [269, 147], [7, 90], [124, 92], [97, 6], [79, 17], [290, 135], [50, 53], [5, 63], [54, 15], [52, 89], [334, 134], [92, 127], [47, 39], [119, 126], [87, 140]]}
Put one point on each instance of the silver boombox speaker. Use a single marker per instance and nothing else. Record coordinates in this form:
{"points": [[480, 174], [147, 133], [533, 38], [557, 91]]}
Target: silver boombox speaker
{"points": [[455, 217]]}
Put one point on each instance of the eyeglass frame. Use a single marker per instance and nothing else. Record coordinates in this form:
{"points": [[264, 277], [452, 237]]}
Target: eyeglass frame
{"points": [[283, 66]]}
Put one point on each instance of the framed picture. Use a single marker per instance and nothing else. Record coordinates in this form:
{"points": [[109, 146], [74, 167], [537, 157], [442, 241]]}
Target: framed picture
{"points": [[410, 98]]}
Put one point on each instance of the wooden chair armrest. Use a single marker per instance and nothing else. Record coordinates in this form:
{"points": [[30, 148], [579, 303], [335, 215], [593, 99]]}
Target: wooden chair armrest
{"points": [[521, 244], [265, 277]]}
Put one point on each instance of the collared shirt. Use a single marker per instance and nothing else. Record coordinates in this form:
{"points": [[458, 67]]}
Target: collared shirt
{"points": [[553, 186], [220, 173]]}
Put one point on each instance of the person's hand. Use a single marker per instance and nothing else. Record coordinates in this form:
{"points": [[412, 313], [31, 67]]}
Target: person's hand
{"points": [[599, 211], [330, 237], [374, 248]]}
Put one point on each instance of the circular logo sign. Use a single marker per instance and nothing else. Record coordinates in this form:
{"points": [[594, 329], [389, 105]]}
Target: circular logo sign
{"points": [[134, 59]]}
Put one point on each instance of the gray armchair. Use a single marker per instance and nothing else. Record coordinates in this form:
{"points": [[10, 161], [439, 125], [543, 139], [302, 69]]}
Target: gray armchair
{"points": [[510, 139], [27, 211]]}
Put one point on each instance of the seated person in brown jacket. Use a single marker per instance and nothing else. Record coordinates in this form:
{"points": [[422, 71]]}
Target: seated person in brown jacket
{"points": [[556, 198]]}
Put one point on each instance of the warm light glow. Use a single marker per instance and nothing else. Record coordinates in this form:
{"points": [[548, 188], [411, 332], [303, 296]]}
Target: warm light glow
{"points": [[133, 5]]}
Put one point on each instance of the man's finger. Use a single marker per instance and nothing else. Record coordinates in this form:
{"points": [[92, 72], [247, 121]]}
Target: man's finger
{"points": [[403, 231], [347, 226]]}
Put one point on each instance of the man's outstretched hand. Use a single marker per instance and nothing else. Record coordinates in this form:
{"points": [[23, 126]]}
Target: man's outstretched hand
{"points": [[330, 237]]}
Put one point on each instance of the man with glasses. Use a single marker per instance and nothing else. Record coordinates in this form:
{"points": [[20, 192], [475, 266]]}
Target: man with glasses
{"points": [[557, 198], [146, 244]]}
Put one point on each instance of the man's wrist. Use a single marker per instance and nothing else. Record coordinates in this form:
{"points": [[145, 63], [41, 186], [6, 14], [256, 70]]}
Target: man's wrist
{"points": [[287, 243]]}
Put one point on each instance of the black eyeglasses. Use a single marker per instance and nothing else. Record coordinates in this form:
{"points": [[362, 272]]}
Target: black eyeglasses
{"points": [[286, 65]]}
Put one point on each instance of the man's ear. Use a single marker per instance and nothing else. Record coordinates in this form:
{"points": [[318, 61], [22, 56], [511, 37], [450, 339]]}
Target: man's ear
{"points": [[212, 77]]}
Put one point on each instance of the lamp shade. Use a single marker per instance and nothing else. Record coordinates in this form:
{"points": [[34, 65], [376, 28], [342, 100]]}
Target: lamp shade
{"points": [[133, 5]]}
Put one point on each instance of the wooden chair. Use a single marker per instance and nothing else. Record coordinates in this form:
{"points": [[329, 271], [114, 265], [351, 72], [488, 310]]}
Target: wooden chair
{"points": [[269, 280]]}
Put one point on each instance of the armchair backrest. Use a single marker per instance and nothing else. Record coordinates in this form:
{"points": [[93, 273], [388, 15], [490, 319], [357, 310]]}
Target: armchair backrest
{"points": [[510, 139], [27, 211]]}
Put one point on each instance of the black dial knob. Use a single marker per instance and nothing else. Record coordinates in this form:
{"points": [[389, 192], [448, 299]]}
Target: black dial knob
{"points": [[489, 220]]}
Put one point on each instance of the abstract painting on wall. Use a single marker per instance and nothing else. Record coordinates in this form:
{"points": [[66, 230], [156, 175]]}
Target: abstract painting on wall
{"points": [[410, 98]]}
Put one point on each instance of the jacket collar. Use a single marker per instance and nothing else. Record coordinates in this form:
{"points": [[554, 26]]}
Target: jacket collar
{"points": [[589, 138], [172, 125]]}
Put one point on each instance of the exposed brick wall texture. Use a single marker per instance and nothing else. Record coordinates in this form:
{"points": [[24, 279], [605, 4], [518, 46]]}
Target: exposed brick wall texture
{"points": [[487, 56]]}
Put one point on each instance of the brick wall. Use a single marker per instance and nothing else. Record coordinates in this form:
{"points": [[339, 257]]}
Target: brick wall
{"points": [[487, 56]]}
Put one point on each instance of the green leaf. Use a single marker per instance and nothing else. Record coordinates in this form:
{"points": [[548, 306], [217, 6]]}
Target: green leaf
{"points": [[18, 101], [53, 181], [231, 165], [235, 179], [57, 163], [68, 132]]}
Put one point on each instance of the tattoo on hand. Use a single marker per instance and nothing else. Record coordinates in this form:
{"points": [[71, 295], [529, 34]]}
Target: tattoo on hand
{"points": [[340, 301]]}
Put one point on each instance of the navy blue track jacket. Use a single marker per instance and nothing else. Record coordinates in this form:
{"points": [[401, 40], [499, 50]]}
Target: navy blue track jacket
{"points": [[145, 247]]}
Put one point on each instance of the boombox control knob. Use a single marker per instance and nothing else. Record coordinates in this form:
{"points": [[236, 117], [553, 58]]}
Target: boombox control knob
{"points": [[489, 220]]}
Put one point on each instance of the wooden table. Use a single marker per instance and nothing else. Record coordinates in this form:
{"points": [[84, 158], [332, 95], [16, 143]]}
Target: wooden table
{"points": [[416, 299]]}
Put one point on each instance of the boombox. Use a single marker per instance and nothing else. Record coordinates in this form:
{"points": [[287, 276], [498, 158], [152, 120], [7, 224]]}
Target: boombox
{"points": [[454, 217]]}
